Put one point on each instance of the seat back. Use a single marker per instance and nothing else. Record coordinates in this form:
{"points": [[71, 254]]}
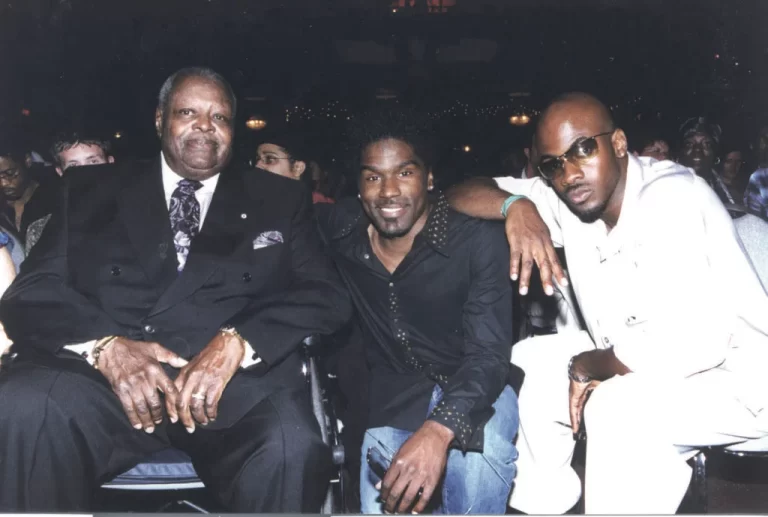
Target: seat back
{"points": [[753, 232]]}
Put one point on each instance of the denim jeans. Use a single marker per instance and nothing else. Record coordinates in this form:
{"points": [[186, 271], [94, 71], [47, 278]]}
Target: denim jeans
{"points": [[474, 482]]}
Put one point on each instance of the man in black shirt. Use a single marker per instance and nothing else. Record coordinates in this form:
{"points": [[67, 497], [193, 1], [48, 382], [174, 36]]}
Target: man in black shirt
{"points": [[432, 290]]}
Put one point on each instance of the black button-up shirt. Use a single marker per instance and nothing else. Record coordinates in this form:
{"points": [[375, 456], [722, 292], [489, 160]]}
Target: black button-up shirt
{"points": [[443, 317]]}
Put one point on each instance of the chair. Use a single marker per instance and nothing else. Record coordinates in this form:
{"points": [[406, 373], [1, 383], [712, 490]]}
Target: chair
{"points": [[172, 470], [753, 232], [698, 493]]}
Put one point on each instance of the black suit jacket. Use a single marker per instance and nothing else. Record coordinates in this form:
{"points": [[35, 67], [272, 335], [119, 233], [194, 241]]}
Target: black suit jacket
{"points": [[106, 265]]}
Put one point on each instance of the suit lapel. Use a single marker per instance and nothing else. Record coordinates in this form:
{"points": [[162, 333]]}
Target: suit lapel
{"points": [[144, 213], [223, 230]]}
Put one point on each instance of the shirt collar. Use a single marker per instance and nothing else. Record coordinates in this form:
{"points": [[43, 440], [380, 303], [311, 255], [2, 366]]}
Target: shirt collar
{"points": [[171, 180], [435, 231]]}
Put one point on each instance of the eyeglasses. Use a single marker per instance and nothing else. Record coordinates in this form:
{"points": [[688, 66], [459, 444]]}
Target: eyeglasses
{"points": [[271, 159], [580, 151], [10, 174]]}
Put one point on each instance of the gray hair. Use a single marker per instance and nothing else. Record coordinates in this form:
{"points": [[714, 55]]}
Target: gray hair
{"points": [[170, 84]]}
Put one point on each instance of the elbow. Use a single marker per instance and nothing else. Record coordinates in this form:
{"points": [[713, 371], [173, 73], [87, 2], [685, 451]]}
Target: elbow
{"points": [[458, 193]]}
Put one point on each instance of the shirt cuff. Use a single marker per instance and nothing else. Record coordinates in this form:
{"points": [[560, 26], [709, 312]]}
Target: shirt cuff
{"points": [[251, 357], [454, 420], [83, 349]]}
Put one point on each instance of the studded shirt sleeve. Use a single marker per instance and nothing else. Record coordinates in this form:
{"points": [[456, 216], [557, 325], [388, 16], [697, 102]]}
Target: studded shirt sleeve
{"points": [[469, 394]]}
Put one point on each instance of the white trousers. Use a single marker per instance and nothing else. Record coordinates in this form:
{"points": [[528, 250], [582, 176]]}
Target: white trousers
{"points": [[640, 433]]}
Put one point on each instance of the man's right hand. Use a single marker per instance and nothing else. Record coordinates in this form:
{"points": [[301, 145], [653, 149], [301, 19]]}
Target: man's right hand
{"points": [[133, 370], [529, 242]]}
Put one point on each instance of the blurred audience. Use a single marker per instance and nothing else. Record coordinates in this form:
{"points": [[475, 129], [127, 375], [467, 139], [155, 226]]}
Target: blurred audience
{"points": [[651, 144], [699, 143], [29, 198], [756, 196], [730, 168]]}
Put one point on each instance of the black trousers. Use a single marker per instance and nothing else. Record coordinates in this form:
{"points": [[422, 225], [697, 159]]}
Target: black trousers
{"points": [[63, 433]]}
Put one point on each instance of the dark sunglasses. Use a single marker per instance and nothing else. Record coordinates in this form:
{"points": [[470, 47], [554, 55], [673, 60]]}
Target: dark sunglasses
{"points": [[580, 151]]}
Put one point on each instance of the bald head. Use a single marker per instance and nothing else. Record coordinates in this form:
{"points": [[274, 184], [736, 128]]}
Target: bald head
{"points": [[578, 110], [583, 156]]}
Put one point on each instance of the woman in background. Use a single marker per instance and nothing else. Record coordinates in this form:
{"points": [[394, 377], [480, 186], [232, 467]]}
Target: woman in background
{"points": [[285, 154]]}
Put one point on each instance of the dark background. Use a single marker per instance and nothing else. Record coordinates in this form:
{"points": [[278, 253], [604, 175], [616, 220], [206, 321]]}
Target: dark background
{"points": [[308, 65]]}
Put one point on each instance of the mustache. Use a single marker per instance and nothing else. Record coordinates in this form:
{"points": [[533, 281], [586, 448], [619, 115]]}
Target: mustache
{"points": [[202, 140], [388, 204], [571, 188]]}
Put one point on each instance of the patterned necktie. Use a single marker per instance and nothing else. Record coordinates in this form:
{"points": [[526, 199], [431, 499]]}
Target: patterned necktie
{"points": [[185, 218]]}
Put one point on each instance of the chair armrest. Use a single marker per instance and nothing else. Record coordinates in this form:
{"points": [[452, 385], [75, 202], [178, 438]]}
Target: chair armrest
{"points": [[311, 346]]}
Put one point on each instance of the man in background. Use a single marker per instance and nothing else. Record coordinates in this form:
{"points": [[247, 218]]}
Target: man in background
{"points": [[75, 150]]}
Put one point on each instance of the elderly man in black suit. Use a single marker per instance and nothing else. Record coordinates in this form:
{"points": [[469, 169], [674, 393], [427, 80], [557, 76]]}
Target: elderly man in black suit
{"points": [[164, 305]]}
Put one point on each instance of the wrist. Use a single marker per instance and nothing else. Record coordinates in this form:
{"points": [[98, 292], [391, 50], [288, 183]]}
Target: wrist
{"points": [[443, 433], [576, 373], [508, 202], [231, 335], [100, 347]]}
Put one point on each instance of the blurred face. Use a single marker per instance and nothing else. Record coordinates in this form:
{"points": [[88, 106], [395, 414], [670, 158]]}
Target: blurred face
{"points": [[593, 173], [731, 165], [197, 129], [14, 179], [698, 153], [658, 149], [82, 154], [393, 188], [273, 158]]}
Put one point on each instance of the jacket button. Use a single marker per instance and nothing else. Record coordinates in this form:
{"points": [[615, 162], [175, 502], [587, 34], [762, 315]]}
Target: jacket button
{"points": [[149, 329], [116, 271], [246, 277]]}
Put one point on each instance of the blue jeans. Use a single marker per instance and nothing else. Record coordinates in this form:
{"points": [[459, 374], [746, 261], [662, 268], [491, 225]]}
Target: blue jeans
{"points": [[474, 482]]}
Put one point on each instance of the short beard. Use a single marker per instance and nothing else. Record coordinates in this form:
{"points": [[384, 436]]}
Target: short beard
{"points": [[385, 234], [588, 216]]}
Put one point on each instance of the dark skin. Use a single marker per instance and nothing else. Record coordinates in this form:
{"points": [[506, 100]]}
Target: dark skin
{"points": [[196, 134], [698, 152], [17, 185], [529, 238], [393, 191], [593, 188]]}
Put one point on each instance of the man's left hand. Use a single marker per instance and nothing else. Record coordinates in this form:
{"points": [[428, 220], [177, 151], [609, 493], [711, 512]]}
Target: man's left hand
{"points": [[418, 465], [202, 381]]}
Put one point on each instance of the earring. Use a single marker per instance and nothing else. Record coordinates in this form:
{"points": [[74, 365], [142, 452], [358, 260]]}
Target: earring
{"points": [[358, 196], [429, 188], [717, 161]]}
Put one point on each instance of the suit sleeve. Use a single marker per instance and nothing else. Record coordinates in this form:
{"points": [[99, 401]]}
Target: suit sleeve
{"points": [[41, 309], [316, 302], [470, 393]]}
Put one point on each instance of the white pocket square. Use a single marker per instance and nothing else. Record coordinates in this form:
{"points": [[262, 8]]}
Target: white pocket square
{"points": [[267, 239]]}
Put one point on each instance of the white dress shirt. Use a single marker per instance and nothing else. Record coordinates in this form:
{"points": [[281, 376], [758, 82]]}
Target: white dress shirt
{"points": [[670, 286], [204, 196]]}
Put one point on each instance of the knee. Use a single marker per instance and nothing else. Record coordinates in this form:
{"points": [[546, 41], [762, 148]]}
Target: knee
{"points": [[296, 447], [24, 398], [505, 421], [608, 408]]}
